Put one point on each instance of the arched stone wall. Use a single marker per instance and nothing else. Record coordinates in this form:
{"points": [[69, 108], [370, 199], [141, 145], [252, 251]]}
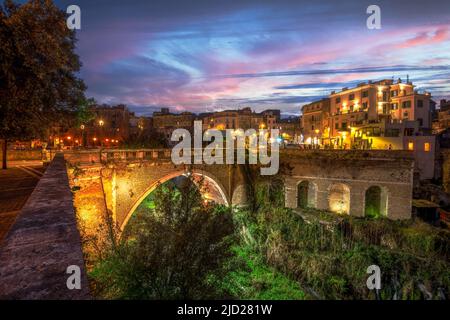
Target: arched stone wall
{"points": [[153, 184]]}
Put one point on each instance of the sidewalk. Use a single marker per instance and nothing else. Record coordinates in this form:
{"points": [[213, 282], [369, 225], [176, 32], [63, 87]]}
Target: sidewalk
{"points": [[16, 186]]}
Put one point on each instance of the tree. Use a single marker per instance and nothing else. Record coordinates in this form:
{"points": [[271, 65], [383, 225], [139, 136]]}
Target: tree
{"points": [[84, 115], [176, 251], [38, 66]]}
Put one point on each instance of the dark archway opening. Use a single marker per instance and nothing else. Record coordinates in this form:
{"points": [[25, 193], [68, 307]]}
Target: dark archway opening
{"points": [[306, 194], [374, 202], [302, 194]]}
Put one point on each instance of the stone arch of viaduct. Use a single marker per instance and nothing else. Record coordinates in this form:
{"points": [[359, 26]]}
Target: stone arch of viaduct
{"points": [[336, 181], [342, 184]]}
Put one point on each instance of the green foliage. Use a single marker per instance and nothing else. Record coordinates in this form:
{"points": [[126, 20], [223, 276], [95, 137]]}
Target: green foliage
{"points": [[184, 249], [169, 254], [84, 113], [251, 278], [331, 259], [38, 68]]}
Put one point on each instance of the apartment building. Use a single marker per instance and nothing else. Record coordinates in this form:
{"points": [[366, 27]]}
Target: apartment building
{"points": [[374, 115], [290, 130], [315, 121], [241, 119], [375, 104], [166, 122], [442, 123]]}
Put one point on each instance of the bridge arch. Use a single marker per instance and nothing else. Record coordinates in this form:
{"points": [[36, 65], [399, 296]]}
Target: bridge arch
{"points": [[209, 178]]}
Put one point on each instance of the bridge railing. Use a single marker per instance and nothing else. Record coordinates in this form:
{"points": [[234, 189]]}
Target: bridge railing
{"points": [[104, 156]]}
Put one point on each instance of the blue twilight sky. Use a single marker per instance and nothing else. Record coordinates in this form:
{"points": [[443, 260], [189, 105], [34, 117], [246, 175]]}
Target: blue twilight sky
{"points": [[207, 55]]}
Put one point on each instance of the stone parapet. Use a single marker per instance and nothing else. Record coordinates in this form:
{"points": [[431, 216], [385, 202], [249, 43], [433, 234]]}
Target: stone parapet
{"points": [[43, 243]]}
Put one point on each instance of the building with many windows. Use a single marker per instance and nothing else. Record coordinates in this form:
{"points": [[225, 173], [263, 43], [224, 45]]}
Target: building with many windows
{"points": [[315, 121], [374, 115], [371, 109], [241, 119]]}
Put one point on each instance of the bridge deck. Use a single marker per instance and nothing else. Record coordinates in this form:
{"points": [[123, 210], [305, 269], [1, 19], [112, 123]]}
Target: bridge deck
{"points": [[43, 242]]}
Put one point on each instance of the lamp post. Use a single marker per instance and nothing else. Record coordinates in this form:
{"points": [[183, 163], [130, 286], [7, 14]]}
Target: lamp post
{"points": [[317, 136], [83, 140], [101, 123]]}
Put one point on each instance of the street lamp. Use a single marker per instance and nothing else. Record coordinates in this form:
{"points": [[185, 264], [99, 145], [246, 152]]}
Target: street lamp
{"points": [[82, 135], [317, 136], [101, 123]]}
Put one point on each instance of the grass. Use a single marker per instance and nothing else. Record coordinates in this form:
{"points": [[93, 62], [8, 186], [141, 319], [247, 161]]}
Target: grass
{"points": [[254, 279]]}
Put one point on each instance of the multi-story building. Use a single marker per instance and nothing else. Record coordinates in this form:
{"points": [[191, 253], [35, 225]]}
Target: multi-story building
{"points": [[166, 122], [290, 130], [110, 123], [374, 115], [241, 119], [442, 122], [140, 125], [165, 119], [377, 104], [315, 121], [109, 127]]}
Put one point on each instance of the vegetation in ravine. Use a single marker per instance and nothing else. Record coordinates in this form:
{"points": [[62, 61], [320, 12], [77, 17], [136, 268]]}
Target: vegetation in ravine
{"points": [[177, 246]]}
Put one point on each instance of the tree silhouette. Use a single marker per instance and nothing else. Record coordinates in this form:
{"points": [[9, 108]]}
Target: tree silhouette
{"points": [[38, 83]]}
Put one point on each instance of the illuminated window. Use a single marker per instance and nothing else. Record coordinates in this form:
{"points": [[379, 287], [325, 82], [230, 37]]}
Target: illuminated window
{"points": [[410, 146], [427, 147]]}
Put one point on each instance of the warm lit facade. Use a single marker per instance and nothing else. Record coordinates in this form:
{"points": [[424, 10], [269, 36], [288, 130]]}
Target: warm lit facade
{"points": [[374, 115], [290, 130], [241, 119], [377, 102], [166, 122], [442, 122], [165, 119], [315, 121], [109, 127], [381, 106]]}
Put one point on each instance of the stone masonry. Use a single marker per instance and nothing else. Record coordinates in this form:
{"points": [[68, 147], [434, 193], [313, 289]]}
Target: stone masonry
{"points": [[43, 242]]}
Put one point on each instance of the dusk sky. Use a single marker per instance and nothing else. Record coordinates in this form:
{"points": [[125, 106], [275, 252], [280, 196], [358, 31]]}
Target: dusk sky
{"points": [[212, 55]]}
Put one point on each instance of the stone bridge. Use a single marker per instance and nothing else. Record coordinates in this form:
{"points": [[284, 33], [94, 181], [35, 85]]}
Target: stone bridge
{"points": [[341, 181]]}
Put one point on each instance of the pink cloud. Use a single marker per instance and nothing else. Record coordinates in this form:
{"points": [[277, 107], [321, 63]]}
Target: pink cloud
{"points": [[426, 38]]}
